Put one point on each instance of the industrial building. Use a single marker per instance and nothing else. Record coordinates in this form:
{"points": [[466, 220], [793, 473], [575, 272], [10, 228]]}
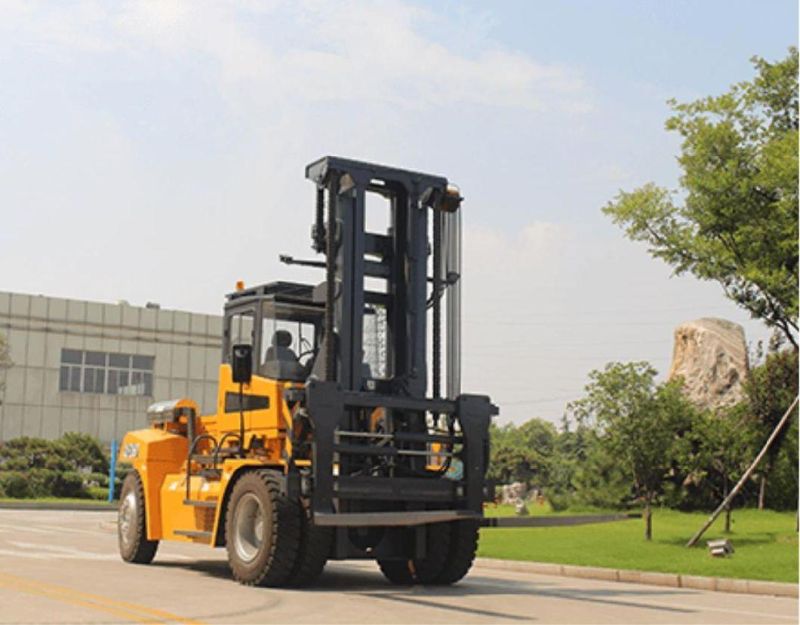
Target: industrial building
{"points": [[90, 367]]}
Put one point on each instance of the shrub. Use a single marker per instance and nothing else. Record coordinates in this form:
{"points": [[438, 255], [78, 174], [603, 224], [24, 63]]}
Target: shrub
{"points": [[35, 467], [559, 501], [69, 484], [41, 482], [26, 452], [97, 479], [15, 485], [98, 492], [82, 452]]}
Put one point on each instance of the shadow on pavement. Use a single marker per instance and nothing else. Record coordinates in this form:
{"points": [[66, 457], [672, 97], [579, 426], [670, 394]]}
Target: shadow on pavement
{"points": [[369, 583]]}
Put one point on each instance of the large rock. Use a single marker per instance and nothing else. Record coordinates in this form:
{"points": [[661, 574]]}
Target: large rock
{"points": [[711, 357], [513, 493]]}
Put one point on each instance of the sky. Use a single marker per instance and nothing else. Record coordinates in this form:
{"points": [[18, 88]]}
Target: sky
{"points": [[155, 152]]}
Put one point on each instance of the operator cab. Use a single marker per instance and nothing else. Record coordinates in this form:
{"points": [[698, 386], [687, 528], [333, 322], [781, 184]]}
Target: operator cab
{"points": [[283, 325]]}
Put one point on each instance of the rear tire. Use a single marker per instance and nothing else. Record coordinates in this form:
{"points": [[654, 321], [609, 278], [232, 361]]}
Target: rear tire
{"points": [[397, 571], [132, 523], [450, 553], [262, 530]]}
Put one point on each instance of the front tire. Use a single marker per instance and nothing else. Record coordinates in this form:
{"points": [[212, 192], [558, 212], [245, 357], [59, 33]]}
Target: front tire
{"points": [[132, 523], [262, 531], [461, 552], [313, 551], [437, 540]]}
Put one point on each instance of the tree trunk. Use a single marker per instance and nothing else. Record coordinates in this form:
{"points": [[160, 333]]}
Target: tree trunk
{"points": [[762, 491], [648, 521]]}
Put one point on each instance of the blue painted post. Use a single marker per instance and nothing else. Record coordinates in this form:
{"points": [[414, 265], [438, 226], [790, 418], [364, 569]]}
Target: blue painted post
{"points": [[112, 470]]}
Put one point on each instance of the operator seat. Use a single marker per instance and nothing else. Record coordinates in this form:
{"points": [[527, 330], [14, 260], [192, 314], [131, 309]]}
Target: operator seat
{"points": [[280, 361]]}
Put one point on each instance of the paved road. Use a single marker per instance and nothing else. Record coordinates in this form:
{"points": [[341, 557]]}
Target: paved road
{"points": [[63, 567]]}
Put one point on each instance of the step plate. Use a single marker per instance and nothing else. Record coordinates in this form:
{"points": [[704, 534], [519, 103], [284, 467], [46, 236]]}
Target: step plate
{"points": [[199, 504], [193, 534]]}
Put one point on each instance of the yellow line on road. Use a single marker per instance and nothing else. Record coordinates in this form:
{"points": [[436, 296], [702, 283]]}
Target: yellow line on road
{"points": [[128, 611]]}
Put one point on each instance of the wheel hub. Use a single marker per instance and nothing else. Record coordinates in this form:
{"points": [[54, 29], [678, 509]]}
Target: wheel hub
{"points": [[127, 518], [249, 527]]}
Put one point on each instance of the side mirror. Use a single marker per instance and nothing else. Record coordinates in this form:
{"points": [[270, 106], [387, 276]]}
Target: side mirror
{"points": [[242, 363]]}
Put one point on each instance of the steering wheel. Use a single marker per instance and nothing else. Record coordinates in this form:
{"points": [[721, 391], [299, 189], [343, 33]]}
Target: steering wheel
{"points": [[305, 354]]}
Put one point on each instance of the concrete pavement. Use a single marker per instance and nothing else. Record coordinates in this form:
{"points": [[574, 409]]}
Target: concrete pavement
{"points": [[63, 567]]}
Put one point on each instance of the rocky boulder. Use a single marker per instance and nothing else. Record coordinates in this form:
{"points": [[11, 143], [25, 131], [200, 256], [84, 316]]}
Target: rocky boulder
{"points": [[514, 493], [711, 357]]}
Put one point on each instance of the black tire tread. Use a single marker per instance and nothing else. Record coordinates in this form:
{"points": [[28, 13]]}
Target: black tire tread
{"points": [[438, 538], [313, 551], [143, 551], [285, 539], [463, 547], [397, 572]]}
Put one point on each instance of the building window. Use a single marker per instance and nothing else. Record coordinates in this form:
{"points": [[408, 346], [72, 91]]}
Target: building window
{"points": [[100, 372]]}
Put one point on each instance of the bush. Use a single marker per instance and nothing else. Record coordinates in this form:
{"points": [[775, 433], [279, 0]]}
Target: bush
{"points": [[26, 452], [69, 484], [97, 479], [35, 467], [14, 484], [81, 452], [41, 482], [98, 492], [559, 501]]}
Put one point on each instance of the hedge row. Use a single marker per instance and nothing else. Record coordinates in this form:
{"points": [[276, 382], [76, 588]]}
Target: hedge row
{"points": [[75, 465]]}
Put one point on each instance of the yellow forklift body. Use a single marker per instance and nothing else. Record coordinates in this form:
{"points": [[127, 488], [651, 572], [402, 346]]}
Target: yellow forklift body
{"points": [[160, 454]]}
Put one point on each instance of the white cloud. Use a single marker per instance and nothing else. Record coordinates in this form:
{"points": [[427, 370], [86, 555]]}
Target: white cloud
{"points": [[154, 152], [325, 52]]}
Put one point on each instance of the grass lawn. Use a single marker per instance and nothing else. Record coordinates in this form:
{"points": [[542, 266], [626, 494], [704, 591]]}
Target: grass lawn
{"points": [[765, 544], [85, 502]]}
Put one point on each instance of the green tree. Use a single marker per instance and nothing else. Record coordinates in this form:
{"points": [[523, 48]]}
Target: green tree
{"points": [[638, 424], [599, 480], [539, 436], [769, 390], [522, 453], [737, 223], [783, 478], [568, 454], [719, 450]]}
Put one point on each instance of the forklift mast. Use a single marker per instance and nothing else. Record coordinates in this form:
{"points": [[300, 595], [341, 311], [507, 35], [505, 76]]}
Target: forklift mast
{"points": [[398, 257], [383, 474]]}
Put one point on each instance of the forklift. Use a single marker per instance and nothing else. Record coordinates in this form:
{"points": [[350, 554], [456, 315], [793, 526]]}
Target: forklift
{"points": [[340, 428]]}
